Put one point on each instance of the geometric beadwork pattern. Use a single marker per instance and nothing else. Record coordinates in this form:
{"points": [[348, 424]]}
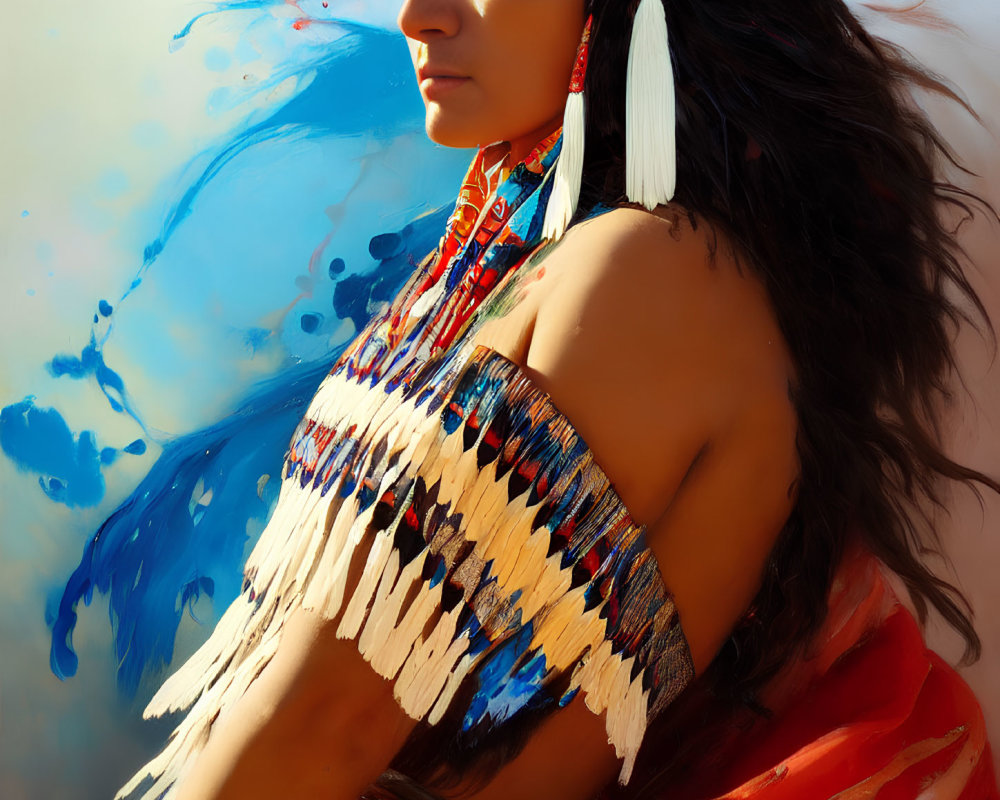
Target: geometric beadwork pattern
{"points": [[438, 507], [494, 546]]}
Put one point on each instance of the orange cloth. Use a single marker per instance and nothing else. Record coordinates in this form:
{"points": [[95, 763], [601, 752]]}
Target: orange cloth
{"points": [[869, 714]]}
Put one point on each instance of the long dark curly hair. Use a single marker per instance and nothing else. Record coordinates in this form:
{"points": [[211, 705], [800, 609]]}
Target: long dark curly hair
{"points": [[795, 142]]}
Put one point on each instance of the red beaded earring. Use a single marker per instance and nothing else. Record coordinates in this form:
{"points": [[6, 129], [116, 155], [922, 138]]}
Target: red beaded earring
{"points": [[569, 166], [650, 122]]}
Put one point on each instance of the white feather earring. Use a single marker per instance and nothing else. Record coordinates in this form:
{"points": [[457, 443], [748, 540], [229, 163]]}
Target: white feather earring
{"points": [[565, 194], [650, 111]]}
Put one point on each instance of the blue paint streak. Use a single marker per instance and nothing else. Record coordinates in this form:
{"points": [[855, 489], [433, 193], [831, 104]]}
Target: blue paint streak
{"points": [[91, 362], [158, 552], [364, 79], [220, 7], [39, 440], [365, 76], [158, 549], [154, 555]]}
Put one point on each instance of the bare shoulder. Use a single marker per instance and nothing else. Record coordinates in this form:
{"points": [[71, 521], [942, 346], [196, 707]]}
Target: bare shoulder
{"points": [[639, 322], [669, 285], [672, 366]]}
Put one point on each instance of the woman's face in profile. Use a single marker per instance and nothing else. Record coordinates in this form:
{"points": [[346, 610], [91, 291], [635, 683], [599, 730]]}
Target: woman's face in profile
{"points": [[512, 58]]}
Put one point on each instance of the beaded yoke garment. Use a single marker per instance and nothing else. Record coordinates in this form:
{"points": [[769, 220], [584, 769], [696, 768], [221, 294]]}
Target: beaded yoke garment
{"points": [[502, 573]]}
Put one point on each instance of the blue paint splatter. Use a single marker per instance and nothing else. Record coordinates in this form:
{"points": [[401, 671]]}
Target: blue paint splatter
{"points": [[255, 338], [91, 362], [157, 548], [109, 454], [161, 549], [39, 440], [310, 322], [367, 76], [385, 245], [136, 448]]}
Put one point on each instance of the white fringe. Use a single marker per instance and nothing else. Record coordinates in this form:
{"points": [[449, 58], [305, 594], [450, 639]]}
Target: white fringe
{"points": [[569, 170], [300, 562], [650, 116]]}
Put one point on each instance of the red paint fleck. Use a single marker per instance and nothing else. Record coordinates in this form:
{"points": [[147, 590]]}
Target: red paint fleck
{"points": [[529, 469], [411, 518], [591, 561], [492, 438]]}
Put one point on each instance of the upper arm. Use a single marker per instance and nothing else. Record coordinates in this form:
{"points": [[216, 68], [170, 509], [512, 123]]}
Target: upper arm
{"points": [[676, 375]]}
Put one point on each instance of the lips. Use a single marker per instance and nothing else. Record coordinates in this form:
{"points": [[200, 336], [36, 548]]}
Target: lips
{"points": [[434, 71]]}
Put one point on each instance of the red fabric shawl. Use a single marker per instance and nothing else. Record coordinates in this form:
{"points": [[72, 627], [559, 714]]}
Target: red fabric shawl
{"points": [[869, 714]]}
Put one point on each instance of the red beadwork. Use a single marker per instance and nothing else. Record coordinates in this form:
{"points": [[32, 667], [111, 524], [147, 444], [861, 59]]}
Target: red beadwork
{"points": [[580, 67]]}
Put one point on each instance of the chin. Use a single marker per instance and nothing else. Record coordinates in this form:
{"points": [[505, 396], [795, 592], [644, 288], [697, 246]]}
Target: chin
{"points": [[456, 130], [451, 135]]}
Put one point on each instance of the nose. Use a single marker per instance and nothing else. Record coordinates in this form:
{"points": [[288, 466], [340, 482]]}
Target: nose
{"points": [[426, 20]]}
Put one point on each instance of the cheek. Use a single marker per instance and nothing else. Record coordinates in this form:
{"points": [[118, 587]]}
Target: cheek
{"points": [[521, 53], [535, 67], [544, 92]]}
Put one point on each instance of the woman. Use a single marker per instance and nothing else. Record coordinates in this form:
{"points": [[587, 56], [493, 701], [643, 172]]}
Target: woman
{"points": [[578, 498]]}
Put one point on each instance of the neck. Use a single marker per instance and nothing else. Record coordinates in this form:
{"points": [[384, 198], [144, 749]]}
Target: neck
{"points": [[520, 148]]}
